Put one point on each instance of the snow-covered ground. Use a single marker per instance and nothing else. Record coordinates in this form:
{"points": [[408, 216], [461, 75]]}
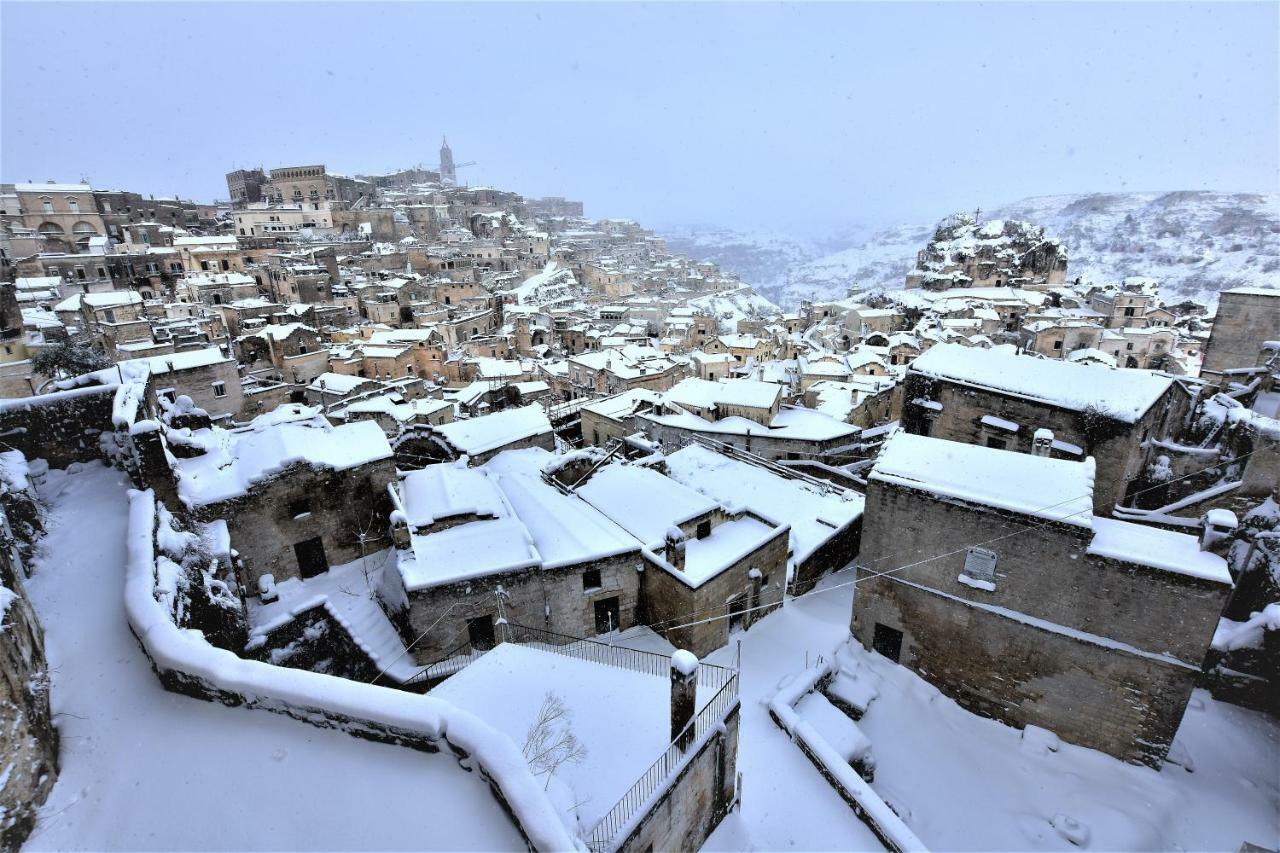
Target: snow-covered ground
{"points": [[786, 805], [962, 782], [145, 769], [148, 769]]}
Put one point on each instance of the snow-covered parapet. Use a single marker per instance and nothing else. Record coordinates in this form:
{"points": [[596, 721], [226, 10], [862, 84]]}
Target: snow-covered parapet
{"points": [[187, 663], [867, 804]]}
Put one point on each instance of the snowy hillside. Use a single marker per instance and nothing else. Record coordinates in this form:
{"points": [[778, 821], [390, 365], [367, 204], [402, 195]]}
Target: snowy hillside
{"points": [[1195, 243], [734, 305]]}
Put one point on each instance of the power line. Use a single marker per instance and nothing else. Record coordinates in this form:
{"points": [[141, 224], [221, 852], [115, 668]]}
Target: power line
{"points": [[664, 626]]}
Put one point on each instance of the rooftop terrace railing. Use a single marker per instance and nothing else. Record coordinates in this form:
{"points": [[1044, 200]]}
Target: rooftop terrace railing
{"points": [[641, 795]]}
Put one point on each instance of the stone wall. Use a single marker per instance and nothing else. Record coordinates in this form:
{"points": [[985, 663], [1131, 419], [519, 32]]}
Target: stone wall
{"points": [[29, 747], [694, 804], [1117, 447], [1243, 322], [1123, 704], [1123, 692], [550, 599], [670, 601], [341, 504], [60, 428], [837, 552]]}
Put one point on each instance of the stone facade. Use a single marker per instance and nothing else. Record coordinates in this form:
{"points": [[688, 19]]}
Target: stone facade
{"points": [[732, 594], [1246, 319], [29, 748], [549, 599], [1118, 447], [60, 428], [1102, 652], [301, 504], [694, 804]]}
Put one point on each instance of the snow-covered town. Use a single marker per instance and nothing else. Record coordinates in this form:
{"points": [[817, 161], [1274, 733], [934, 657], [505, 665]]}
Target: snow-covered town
{"points": [[354, 510]]}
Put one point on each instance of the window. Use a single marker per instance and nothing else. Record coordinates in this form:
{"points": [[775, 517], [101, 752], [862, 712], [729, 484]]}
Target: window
{"points": [[47, 205], [1129, 345], [704, 529], [102, 273], [80, 273], [73, 204], [109, 315], [300, 507], [887, 641], [980, 564], [226, 265], [1129, 312], [219, 389], [997, 442], [1057, 345], [591, 579], [204, 265]]}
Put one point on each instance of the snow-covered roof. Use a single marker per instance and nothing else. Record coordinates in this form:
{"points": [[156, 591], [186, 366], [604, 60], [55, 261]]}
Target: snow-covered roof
{"points": [[479, 435], [815, 514], [52, 188], [1052, 489], [625, 404], [337, 383], [564, 528], [643, 502], [1124, 394], [441, 491], [235, 460], [1156, 548], [705, 393], [175, 361]]}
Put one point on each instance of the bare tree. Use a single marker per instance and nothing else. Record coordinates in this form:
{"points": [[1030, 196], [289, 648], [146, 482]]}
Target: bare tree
{"points": [[550, 741]]}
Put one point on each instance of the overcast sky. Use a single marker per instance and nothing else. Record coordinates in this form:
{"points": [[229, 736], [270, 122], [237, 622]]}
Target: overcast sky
{"points": [[791, 117]]}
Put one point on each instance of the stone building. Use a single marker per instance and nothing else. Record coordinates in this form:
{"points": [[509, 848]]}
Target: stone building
{"points": [[481, 438], [998, 253], [62, 217], [296, 493], [206, 376], [987, 573], [1001, 400], [245, 186], [218, 288], [1246, 320], [1060, 338], [314, 186], [613, 418], [705, 563], [295, 350], [501, 543]]}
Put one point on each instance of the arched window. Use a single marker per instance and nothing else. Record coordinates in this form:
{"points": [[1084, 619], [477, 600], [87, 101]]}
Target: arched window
{"points": [[51, 229]]}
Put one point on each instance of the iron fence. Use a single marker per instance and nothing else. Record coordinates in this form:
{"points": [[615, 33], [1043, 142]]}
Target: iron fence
{"points": [[710, 676]]}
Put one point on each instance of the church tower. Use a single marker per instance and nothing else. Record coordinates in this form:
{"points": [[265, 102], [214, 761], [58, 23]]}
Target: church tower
{"points": [[448, 174]]}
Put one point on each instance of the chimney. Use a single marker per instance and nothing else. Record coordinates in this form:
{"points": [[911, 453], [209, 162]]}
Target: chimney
{"points": [[675, 548], [1216, 526], [684, 690], [1042, 442]]}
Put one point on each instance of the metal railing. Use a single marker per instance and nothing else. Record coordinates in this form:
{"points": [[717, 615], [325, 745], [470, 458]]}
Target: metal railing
{"points": [[710, 676], [642, 792]]}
